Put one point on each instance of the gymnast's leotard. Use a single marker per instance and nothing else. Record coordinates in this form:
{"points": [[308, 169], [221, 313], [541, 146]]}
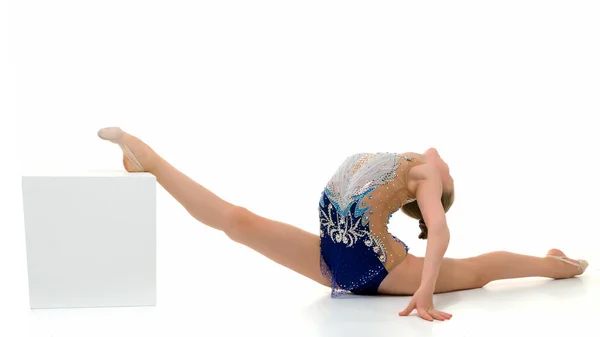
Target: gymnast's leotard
{"points": [[357, 251]]}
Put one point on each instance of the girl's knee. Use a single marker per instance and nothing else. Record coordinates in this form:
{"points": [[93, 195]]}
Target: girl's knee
{"points": [[480, 278]]}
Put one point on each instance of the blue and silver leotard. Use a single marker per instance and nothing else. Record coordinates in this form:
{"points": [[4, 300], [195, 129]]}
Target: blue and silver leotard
{"points": [[357, 251]]}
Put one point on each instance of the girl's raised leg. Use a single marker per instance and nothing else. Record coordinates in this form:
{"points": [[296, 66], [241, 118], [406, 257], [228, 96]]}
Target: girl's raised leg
{"points": [[285, 244]]}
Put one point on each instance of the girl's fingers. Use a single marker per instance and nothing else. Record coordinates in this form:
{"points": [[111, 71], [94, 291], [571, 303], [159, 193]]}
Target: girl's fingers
{"points": [[408, 310], [423, 313], [435, 314], [445, 314]]}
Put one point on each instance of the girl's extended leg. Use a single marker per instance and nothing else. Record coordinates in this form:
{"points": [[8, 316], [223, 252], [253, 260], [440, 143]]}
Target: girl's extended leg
{"points": [[476, 272], [285, 244]]}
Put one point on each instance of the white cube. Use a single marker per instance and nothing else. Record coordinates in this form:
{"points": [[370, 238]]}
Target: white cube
{"points": [[91, 239]]}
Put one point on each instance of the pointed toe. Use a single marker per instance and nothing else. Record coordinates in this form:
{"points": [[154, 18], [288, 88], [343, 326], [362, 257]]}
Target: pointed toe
{"points": [[113, 134]]}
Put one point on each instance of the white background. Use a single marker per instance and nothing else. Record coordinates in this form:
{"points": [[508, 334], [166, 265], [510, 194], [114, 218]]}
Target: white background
{"points": [[260, 101]]}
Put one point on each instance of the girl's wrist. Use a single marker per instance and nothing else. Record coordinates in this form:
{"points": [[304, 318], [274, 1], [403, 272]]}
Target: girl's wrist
{"points": [[427, 286]]}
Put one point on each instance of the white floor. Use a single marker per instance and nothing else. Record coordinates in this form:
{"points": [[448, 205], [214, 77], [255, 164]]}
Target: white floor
{"points": [[209, 286], [507, 308]]}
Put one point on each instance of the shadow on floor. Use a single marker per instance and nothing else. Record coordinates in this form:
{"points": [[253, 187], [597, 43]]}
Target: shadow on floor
{"points": [[352, 315]]}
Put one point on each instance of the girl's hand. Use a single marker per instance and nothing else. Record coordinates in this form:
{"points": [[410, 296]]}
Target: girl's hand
{"points": [[422, 300]]}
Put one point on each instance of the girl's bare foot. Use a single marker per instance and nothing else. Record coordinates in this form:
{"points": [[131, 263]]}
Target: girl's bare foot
{"points": [[564, 266], [137, 155]]}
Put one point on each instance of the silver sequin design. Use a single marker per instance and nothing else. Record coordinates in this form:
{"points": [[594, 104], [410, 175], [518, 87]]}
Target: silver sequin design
{"points": [[347, 231], [346, 184], [358, 175]]}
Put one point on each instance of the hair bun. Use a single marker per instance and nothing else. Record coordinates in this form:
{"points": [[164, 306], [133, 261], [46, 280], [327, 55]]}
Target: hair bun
{"points": [[424, 231]]}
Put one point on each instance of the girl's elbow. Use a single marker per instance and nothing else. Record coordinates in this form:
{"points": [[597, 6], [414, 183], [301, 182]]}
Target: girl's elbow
{"points": [[440, 231]]}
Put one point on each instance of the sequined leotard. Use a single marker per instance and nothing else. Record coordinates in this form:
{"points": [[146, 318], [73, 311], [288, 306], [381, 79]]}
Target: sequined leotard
{"points": [[357, 251]]}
